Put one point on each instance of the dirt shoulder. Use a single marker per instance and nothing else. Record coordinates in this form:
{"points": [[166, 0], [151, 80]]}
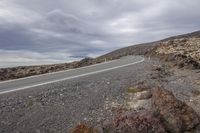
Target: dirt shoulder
{"points": [[169, 99], [59, 107], [163, 90]]}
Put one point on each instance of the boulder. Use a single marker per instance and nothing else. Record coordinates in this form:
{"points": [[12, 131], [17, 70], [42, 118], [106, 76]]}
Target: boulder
{"points": [[134, 122], [176, 116]]}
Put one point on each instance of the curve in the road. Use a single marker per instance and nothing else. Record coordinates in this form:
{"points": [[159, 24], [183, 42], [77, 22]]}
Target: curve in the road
{"points": [[25, 83]]}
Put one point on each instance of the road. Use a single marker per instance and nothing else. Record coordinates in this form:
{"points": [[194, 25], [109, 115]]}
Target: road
{"points": [[39, 80]]}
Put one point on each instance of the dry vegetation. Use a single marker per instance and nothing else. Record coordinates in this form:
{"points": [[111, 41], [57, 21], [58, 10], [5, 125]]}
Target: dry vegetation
{"points": [[183, 51], [167, 115], [24, 71], [165, 111]]}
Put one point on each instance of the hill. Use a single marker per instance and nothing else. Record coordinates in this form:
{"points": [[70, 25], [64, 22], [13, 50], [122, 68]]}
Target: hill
{"points": [[182, 50], [146, 48], [152, 96]]}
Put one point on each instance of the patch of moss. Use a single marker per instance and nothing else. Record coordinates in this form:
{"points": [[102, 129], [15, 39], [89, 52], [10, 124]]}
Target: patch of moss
{"points": [[131, 90]]}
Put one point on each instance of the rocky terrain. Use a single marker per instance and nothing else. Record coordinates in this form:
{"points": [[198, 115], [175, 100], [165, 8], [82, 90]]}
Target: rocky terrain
{"points": [[164, 107], [128, 99], [182, 50], [167, 114], [154, 109], [160, 95]]}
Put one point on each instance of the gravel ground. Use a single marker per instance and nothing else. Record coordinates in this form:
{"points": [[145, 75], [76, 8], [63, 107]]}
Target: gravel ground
{"points": [[58, 107]]}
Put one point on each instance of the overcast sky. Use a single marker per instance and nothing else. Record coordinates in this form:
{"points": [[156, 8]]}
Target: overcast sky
{"points": [[53, 31]]}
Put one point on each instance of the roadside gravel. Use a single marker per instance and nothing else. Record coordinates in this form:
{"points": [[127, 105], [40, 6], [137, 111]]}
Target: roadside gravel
{"points": [[58, 107]]}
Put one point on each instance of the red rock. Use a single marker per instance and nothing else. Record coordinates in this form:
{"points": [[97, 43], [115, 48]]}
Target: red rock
{"points": [[140, 122], [176, 116], [82, 128]]}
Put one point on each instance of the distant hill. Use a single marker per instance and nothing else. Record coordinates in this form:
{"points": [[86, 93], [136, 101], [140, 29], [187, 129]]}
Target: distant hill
{"points": [[147, 48], [182, 50]]}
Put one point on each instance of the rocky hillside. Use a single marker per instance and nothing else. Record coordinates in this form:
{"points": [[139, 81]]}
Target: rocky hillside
{"points": [[140, 49], [161, 99], [165, 115], [182, 50]]}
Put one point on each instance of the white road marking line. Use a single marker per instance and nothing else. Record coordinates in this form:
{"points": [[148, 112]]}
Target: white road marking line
{"points": [[72, 77], [51, 73]]}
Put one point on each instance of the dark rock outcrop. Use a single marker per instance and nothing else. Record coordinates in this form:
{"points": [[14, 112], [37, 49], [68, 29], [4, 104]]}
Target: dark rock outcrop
{"points": [[176, 116], [136, 122]]}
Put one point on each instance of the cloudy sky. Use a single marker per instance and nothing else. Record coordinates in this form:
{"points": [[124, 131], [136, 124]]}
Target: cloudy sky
{"points": [[53, 31]]}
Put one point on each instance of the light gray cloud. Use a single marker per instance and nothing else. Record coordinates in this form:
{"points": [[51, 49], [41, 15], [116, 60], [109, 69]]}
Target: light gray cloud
{"points": [[89, 27]]}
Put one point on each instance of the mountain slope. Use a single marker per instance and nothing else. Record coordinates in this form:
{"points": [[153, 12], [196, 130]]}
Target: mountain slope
{"points": [[142, 49], [183, 50]]}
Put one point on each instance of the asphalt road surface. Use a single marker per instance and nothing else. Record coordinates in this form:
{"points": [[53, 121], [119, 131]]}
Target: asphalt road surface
{"points": [[39, 80]]}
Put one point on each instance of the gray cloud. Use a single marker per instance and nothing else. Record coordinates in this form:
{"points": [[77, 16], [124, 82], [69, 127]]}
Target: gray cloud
{"points": [[89, 27]]}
